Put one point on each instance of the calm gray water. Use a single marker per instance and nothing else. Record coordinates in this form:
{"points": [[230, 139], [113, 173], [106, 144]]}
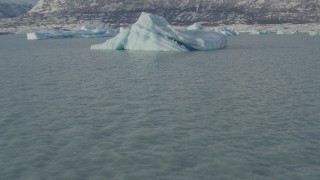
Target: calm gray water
{"points": [[250, 111]]}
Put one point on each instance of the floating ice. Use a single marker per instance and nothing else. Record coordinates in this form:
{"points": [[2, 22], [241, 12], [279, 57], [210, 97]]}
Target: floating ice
{"points": [[85, 31], [153, 33], [314, 33], [227, 31], [282, 32], [88, 28], [254, 32], [224, 30], [195, 26], [257, 32]]}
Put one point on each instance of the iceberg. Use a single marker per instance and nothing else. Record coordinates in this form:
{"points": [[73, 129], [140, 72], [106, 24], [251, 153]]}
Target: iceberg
{"points": [[195, 26], [85, 31], [154, 33], [314, 33], [257, 32], [227, 31], [283, 32], [224, 30], [254, 32]]}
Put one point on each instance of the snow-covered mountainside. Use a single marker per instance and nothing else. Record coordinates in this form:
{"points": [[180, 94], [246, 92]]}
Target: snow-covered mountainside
{"points": [[9, 10], [59, 13], [185, 11], [19, 1]]}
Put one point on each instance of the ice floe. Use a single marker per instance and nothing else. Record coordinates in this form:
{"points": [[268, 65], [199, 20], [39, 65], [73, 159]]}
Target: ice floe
{"points": [[284, 32], [259, 32], [195, 26], [227, 31], [85, 31], [313, 33]]}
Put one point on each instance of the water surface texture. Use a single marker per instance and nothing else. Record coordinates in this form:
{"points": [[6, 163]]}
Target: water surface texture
{"points": [[250, 111]]}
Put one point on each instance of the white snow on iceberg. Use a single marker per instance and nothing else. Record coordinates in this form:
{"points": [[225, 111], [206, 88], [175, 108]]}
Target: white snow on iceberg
{"points": [[85, 31], [154, 33]]}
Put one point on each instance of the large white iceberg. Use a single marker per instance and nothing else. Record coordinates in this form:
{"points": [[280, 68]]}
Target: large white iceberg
{"points": [[85, 31], [153, 33]]}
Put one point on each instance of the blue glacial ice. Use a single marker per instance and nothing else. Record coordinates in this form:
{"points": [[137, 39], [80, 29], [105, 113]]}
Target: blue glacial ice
{"points": [[84, 32], [154, 33]]}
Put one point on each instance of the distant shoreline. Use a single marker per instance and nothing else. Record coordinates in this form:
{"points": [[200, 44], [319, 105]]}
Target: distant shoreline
{"points": [[304, 28]]}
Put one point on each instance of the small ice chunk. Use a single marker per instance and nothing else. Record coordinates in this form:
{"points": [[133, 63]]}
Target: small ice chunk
{"points": [[32, 36]]}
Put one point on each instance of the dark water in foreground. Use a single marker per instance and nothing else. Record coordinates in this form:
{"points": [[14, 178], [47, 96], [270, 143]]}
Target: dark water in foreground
{"points": [[251, 111]]}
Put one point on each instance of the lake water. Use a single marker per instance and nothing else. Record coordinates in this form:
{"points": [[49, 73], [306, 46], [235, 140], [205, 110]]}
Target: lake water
{"points": [[250, 111]]}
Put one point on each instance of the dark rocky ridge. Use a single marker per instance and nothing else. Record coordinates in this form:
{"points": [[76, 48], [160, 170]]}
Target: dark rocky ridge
{"points": [[9, 10]]}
